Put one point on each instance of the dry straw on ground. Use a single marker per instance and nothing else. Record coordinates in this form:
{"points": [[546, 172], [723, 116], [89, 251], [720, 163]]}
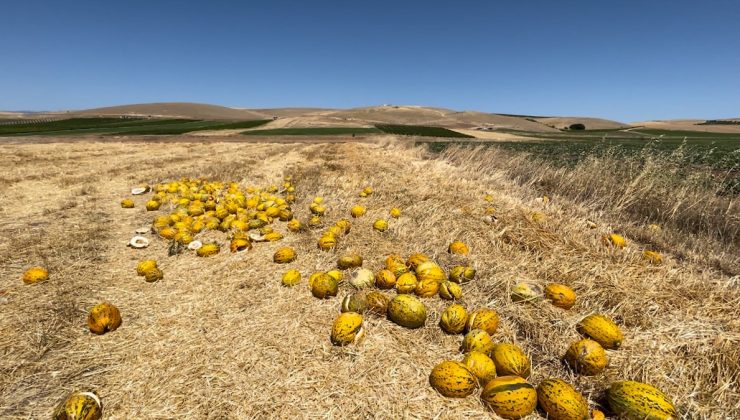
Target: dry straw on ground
{"points": [[220, 338]]}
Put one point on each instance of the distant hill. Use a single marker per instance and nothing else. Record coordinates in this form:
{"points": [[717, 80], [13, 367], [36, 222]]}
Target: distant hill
{"points": [[691, 125], [174, 109], [297, 117]]}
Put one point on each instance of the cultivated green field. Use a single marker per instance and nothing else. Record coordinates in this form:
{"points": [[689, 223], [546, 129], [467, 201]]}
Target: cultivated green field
{"points": [[122, 126], [420, 130]]}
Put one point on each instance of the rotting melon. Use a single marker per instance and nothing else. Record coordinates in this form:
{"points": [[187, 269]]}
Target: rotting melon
{"points": [[79, 405], [385, 279], [453, 379], [377, 303], [462, 274], [347, 329], [355, 302], [450, 291], [511, 397], [103, 318]]}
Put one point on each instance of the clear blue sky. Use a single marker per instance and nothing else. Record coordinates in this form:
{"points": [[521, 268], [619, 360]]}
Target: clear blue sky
{"points": [[625, 60]]}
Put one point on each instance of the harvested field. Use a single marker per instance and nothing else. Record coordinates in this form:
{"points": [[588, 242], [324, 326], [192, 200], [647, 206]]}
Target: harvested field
{"points": [[220, 337]]}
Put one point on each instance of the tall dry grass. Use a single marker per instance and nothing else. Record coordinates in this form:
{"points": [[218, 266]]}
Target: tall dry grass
{"points": [[697, 214]]}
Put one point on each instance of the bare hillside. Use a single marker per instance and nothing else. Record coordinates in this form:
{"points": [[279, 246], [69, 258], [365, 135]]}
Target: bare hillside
{"points": [[590, 123]]}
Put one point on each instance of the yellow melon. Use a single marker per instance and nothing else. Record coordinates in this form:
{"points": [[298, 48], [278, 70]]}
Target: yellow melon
{"points": [[396, 265], [327, 242], [427, 288], [483, 319], [602, 330], [415, 259], [345, 225], [208, 250], [380, 225], [510, 359], [406, 283], [127, 203], [395, 212], [294, 225], [453, 379], [362, 278], [336, 275], [477, 340], [429, 270], [377, 303], [561, 401], [653, 257], [560, 295], [144, 266], [586, 357], [153, 274], [614, 240], [35, 275], [349, 261], [407, 311], [481, 365], [635, 401], [284, 255], [510, 397], [291, 278], [523, 292], [358, 211], [453, 319], [323, 286], [240, 244], [458, 247]]}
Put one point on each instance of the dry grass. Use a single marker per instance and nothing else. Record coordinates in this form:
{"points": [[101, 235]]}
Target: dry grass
{"points": [[699, 219], [219, 337]]}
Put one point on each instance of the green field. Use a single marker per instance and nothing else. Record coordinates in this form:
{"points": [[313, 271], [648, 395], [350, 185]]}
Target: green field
{"points": [[313, 131], [420, 130], [122, 126]]}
